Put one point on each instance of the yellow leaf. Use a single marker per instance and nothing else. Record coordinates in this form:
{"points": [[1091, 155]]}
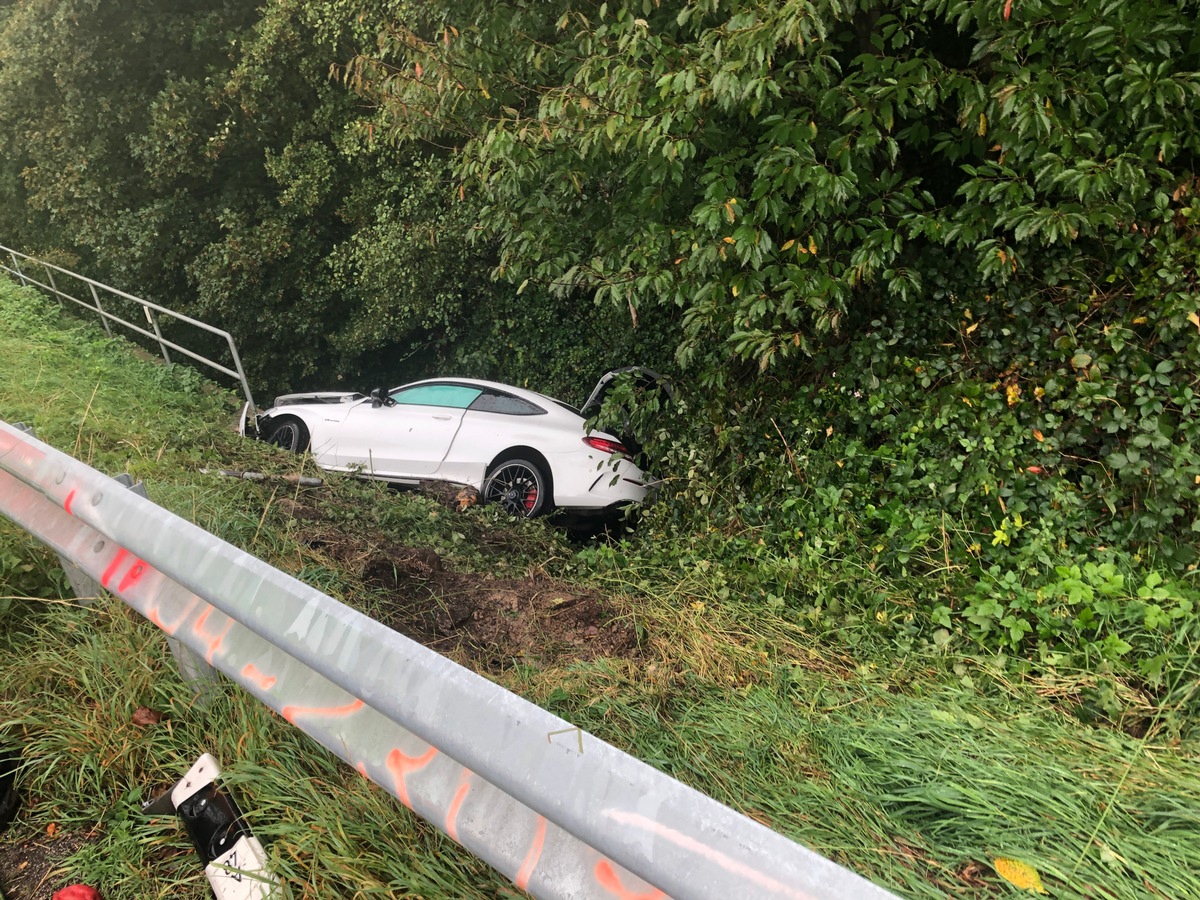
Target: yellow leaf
{"points": [[1020, 874], [972, 327], [1038, 436], [812, 246], [727, 240], [734, 288], [787, 245], [829, 431], [982, 124], [1194, 319]]}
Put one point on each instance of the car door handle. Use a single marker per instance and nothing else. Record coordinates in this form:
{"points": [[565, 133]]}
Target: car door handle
{"points": [[443, 418]]}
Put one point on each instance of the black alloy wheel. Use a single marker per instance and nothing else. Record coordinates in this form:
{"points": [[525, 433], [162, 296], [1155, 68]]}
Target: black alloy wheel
{"points": [[291, 434], [520, 487]]}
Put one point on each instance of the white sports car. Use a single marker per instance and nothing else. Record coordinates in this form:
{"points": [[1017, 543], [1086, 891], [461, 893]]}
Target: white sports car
{"points": [[528, 452]]}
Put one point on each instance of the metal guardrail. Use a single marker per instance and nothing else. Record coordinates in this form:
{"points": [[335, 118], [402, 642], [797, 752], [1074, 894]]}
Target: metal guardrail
{"points": [[150, 309], [555, 809]]}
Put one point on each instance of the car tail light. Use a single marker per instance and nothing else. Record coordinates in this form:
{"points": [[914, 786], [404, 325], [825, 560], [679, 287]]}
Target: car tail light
{"points": [[604, 445]]}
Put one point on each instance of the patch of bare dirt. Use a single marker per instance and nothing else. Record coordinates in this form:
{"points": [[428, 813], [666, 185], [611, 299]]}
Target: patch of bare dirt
{"points": [[27, 868], [486, 623]]}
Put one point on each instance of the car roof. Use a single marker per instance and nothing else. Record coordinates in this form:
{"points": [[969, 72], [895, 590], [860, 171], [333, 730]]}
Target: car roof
{"points": [[523, 393]]}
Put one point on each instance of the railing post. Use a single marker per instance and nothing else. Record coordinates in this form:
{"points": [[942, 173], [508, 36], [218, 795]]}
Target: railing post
{"points": [[53, 286], [237, 364], [153, 320], [100, 309], [17, 266]]}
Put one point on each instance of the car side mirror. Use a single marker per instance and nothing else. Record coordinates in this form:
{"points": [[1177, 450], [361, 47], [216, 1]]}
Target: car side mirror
{"points": [[376, 398]]}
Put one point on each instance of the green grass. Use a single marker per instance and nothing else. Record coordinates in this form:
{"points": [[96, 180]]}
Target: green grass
{"points": [[917, 771]]}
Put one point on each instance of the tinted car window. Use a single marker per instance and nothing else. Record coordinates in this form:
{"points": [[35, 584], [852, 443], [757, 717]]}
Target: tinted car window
{"points": [[455, 396], [495, 402]]}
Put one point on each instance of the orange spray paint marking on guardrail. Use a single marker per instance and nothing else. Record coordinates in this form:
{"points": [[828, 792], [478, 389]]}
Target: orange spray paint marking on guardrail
{"points": [[456, 804], [155, 616], [532, 857], [136, 570], [690, 844], [607, 878], [67, 503], [251, 672], [401, 766], [133, 576], [113, 566], [325, 712], [214, 640]]}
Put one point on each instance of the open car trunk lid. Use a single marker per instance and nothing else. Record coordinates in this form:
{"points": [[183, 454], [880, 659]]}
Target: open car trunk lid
{"points": [[643, 380]]}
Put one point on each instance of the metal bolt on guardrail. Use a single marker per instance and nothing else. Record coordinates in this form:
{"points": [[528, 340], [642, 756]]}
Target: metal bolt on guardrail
{"points": [[558, 811]]}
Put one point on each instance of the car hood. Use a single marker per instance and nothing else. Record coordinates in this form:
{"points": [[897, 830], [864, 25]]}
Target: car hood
{"points": [[319, 397]]}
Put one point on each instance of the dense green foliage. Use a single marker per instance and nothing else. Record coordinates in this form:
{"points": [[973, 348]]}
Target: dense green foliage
{"points": [[901, 768], [924, 271]]}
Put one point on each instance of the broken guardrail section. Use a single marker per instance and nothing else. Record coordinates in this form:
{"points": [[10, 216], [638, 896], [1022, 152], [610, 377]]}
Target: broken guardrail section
{"points": [[559, 812]]}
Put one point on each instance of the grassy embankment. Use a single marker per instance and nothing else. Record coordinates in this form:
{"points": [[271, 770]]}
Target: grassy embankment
{"points": [[918, 773]]}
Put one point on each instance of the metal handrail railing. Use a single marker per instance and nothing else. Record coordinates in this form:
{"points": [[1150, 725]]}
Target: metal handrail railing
{"points": [[150, 309], [558, 811]]}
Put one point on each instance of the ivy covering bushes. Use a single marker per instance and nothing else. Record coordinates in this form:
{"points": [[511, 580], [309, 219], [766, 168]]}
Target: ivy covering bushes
{"points": [[924, 272]]}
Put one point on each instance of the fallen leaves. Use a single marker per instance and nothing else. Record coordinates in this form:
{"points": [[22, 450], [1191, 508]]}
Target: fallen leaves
{"points": [[144, 715], [1019, 874]]}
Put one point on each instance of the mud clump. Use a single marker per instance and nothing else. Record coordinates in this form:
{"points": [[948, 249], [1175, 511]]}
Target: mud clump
{"points": [[481, 621]]}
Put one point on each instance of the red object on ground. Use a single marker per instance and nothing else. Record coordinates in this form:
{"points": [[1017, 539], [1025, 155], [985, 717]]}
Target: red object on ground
{"points": [[77, 892]]}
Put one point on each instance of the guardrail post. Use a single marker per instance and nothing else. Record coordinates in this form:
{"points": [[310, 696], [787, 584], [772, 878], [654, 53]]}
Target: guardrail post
{"points": [[195, 671], [100, 309], [153, 320], [83, 586]]}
